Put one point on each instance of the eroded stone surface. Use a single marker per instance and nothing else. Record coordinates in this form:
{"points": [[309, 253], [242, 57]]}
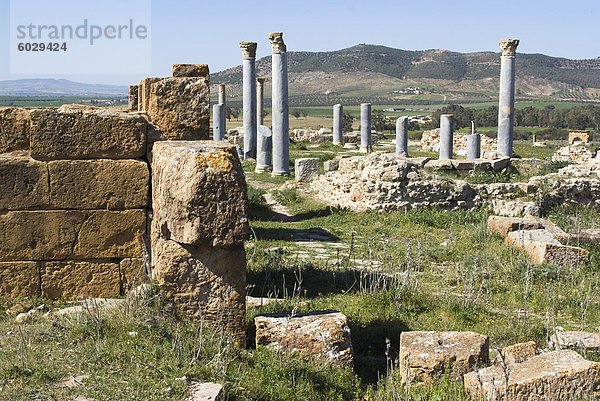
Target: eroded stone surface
{"points": [[133, 272], [19, 279], [14, 129], [425, 356], [516, 353], [23, 183], [204, 282], [323, 334], [99, 184], [86, 134], [553, 376], [71, 234], [190, 70], [504, 225], [541, 246], [306, 169], [179, 106], [199, 193], [576, 340], [72, 279], [206, 391]]}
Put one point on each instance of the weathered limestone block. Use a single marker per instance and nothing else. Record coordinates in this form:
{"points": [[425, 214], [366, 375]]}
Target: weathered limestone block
{"points": [[23, 183], [19, 279], [541, 246], [504, 225], [180, 107], [576, 340], [463, 164], [199, 193], [87, 134], [190, 70], [204, 282], [549, 226], [144, 89], [73, 279], [425, 356], [306, 169], [331, 165], [206, 391], [133, 96], [553, 376], [500, 164], [324, 335], [71, 234], [99, 184], [440, 164], [14, 129], [517, 353], [586, 236], [132, 272]]}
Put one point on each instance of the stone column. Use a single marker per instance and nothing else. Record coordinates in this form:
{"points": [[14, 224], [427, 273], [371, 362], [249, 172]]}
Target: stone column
{"points": [[402, 136], [446, 136], [219, 122], [222, 94], [265, 150], [279, 106], [338, 124], [249, 98], [133, 97], [472, 127], [365, 128], [260, 101], [506, 105], [473, 146]]}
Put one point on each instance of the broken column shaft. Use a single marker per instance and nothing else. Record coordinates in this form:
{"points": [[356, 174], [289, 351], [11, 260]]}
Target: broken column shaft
{"points": [[446, 136], [338, 124], [402, 135], [365, 128]]}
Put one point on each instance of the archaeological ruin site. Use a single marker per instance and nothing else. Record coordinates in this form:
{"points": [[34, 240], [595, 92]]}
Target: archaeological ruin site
{"points": [[371, 265]]}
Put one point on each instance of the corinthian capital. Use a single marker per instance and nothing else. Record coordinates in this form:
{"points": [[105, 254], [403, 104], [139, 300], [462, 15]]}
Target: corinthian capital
{"points": [[248, 49], [277, 44], [509, 46]]}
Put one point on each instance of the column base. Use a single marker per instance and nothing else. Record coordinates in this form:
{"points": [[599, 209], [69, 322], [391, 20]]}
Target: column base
{"points": [[338, 143], [280, 174], [263, 169], [365, 149]]}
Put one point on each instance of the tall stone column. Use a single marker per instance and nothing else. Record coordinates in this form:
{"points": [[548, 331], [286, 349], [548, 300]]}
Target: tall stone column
{"points": [[338, 124], [402, 135], [249, 98], [222, 94], [446, 136], [260, 100], [473, 146], [279, 105], [365, 128], [218, 122], [506, 107], [472, 127]]}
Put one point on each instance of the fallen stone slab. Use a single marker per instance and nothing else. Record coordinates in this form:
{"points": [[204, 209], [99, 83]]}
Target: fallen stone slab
{"points": [[324, 335], [306, 168], [463, 164], [482, 165], [504, 225], [517, 353], [102, 304], [555, 230], [542, 247], [500, 164], [553, 376], [586, 236], [206, 391], [426, 356], [575, 340]]}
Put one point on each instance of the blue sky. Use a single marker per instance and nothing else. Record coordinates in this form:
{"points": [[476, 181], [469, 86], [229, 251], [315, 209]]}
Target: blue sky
{"points": [[209, 31]]}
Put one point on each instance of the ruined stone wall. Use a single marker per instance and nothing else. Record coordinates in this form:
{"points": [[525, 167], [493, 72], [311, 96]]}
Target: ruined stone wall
{"points": [[432, 137], [74, 189]]}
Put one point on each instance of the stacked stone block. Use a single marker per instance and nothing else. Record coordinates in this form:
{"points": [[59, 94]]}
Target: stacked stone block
{"points": [[199, 225], [73, 199]]}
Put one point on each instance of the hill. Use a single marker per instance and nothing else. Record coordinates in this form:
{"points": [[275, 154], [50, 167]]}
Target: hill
{"points": [[386, 75], [58, 87]]}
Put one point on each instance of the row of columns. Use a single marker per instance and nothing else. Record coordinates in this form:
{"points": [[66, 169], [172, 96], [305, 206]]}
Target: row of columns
{"points": [[263, 145]]}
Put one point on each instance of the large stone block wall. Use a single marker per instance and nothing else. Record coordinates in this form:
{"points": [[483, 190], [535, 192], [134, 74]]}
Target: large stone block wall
{"points": [[74, 193], [75, 206]]}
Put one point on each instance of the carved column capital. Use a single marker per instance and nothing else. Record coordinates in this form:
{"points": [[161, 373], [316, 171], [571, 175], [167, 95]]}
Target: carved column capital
{"points": [[248, 49], [509, 46], [277, 44]]}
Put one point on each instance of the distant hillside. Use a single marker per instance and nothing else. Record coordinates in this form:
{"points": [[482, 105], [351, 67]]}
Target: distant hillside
{"points": [[58, 87], [378, 71]]}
